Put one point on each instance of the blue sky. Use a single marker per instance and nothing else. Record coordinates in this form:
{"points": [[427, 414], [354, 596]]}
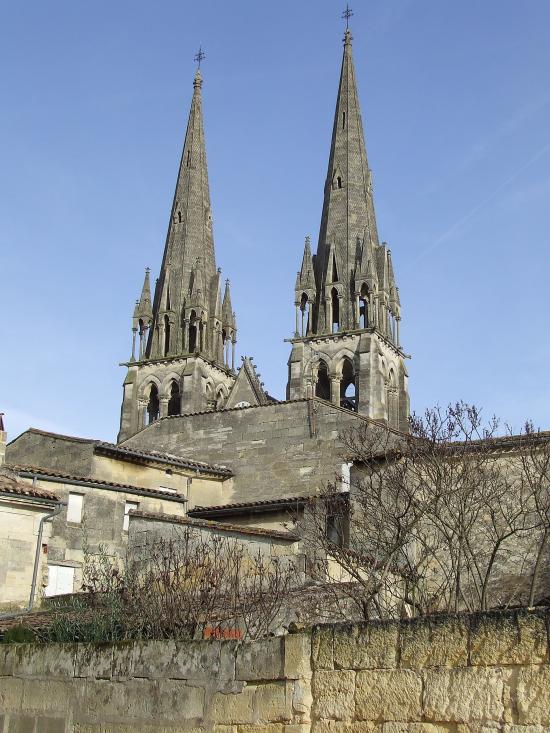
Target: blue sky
{"points": [[95, 97]]}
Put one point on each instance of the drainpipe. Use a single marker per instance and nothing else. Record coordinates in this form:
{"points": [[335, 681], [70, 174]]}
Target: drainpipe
{"points": [[30, 605], [45, 518]]}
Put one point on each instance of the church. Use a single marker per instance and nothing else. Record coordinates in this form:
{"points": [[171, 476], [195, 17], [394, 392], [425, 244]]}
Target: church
{"points": [[346, 346], [200, 439]]}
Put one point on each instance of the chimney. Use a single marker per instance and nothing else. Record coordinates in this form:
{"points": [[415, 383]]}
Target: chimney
{"points": [[3, 440]]}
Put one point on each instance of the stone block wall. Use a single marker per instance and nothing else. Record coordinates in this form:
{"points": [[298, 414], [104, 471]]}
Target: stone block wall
{"points": [[278, 450], [460, 674], [443, 675], [163, 686]]}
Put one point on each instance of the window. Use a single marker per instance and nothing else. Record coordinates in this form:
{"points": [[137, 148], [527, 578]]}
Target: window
{"points": [[153, 406], [166, 335], [129, 506], [74, 508], [335, 308], [335, 529], [174, 402], [322, 386], [60, 580]]}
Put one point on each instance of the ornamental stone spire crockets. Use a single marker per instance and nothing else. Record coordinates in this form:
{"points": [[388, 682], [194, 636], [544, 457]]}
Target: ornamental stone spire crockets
{"points": [[346, 345], [186, 351]]}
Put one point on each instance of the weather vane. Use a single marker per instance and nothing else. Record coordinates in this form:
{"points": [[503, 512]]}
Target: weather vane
{"points": [[348, 12], [199, 56]]}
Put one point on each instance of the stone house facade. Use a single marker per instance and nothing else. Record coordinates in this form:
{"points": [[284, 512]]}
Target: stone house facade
{"points": [[24, 539]]}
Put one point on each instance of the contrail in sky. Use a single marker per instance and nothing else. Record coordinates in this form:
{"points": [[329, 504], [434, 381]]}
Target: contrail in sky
{"points": [[482, 204]]}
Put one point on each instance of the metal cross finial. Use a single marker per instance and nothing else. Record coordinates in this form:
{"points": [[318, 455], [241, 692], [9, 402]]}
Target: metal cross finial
{"points": [[199, 56], [348, 12]]}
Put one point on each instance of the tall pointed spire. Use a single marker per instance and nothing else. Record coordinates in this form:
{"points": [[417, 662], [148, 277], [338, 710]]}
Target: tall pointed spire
{"points": [[189, 242], [348, 219], [346, 344], [186, 356]]}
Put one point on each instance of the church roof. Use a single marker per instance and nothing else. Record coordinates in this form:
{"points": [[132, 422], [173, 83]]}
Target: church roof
{"points": [[101, 446]]}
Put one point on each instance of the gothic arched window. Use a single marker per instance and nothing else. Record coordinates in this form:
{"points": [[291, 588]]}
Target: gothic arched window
{"points": [[322, 386], [348, 390], [364, 307], [174, 402], [335, 310], [192, 332], [305, 307], [153, 405], [166, 335]]}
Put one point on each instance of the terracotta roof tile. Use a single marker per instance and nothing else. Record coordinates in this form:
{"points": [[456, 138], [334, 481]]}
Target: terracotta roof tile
{"points": [[56, 474], [20, 488], [219, 526], [131, 452], [283, 501]]}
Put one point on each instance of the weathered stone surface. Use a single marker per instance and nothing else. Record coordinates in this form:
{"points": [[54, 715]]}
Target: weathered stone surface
{"points": [[533, 695], [45, 695], [297, 728], [396, 727], [55, 660], [333, 694], [297, 651], [232, 708], [336, 726], [464, 695], [93, 660], [302, 698], [179, 702], [261, 660], [21, 724], [192, 660], [366, 646], [263, 728], [273, 703], [434, 643], [394, 694], [322, 648], [50, 725], [128, 699], [525, 729], [519, 638]]}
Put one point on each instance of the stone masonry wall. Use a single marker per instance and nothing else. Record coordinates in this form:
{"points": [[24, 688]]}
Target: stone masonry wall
{"points": [[279, 450], [458, 674]]}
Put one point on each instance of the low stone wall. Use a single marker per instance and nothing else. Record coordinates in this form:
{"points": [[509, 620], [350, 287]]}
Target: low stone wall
{"points": [[454, 675]]}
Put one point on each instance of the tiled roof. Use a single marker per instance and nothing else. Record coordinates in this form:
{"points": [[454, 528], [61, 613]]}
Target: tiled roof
{"points": [[20, 488], [164, 458], [235, 508], [55, 474], [219, 526], [130, 452]]}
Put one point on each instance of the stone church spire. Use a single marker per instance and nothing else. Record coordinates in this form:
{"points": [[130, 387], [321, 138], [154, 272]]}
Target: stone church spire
{"points": [[183, 294], [346, 346], [348, 221], [187, 339]]}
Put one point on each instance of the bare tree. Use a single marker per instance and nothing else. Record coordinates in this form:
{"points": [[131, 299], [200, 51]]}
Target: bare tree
{"points": [[435, 517], [193, 585]]}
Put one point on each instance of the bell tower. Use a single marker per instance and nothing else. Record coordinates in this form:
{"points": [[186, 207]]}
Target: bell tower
{"points": [[183, 354], [346, 346]]}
